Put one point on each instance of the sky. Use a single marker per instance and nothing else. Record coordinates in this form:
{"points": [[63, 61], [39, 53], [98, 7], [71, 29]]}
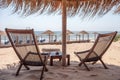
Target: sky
{"points": [[109, 22]]}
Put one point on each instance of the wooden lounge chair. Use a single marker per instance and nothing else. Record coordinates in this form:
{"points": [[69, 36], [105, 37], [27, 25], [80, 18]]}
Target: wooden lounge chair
{"points": [[28, 53], [99, 48]]}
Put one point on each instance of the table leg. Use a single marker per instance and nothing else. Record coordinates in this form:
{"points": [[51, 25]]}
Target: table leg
{"points": [[51, 61], [60, 58], [68, 57]]}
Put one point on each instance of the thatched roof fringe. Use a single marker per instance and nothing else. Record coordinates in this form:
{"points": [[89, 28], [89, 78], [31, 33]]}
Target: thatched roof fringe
{"points": [[86, 7], [117, 10]]}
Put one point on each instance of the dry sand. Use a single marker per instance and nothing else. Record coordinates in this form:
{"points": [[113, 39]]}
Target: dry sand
{"points": [[9, 61]]}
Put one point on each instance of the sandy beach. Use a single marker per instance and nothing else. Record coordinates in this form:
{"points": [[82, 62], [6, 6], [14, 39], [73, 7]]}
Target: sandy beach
{"points": [[9, 65], [70, 20]]}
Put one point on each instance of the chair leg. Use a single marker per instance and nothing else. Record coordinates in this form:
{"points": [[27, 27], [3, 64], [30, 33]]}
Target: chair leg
{"points": [[46, 69], [45, 61], [80, 64], [104, 64], [17, 73], [26, 67], [59, 59], [86, 67], [42, 72]]}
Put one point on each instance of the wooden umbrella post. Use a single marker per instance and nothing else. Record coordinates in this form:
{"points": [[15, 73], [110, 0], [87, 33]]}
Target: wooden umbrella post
{"points": [[49, 37], [0, 39], [64, 22]]}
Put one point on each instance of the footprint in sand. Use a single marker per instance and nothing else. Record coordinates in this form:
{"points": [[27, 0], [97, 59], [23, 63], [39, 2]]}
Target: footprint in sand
{"points": [[32, 77], [2, 79], [63, 75], [48, 78], [50, 72], [93, 75]]}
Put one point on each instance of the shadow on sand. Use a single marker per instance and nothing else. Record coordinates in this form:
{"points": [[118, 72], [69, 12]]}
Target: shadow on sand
{"points": [[58, 72]]}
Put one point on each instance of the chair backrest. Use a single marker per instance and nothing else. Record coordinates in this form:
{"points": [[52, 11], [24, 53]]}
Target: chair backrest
{"points": [[23, 42], [101, 44]]}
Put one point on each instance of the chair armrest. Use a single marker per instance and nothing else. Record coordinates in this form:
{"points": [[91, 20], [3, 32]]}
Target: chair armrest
{"points": [[32, 53], [37, 54], [28, 55], [45, 53], [81, 52]]}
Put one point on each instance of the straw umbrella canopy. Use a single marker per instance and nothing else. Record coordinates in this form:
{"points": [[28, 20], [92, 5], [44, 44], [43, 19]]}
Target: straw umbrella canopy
{"points": [[84, 8], [84, 33], [73, 7], [49, 33], [68, 33], [78, 36]]}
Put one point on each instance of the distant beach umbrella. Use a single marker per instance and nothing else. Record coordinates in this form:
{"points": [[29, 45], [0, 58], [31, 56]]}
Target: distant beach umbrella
{"points": [[84, 33], [49, 33], [95, 34], [78, 37], [68, 33]]}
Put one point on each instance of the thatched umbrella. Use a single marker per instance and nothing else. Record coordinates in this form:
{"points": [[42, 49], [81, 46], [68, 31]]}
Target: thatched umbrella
{"points": [[68, 33], [95, 35], [78, 36], [84, 8], [84, 33], [49, 33], [2, 33]]}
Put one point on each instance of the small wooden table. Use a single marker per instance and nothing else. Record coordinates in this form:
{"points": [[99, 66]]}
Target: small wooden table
{"points": [[58, 55], [50, 50]]}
